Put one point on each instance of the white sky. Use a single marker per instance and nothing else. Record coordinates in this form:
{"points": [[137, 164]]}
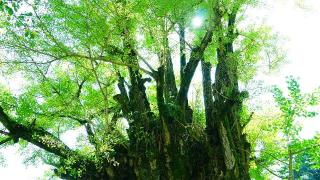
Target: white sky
{"points": [[300, 26]]}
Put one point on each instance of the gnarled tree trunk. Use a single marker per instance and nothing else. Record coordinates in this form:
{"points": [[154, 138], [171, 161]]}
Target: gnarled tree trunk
{"points": [[161, 144]]}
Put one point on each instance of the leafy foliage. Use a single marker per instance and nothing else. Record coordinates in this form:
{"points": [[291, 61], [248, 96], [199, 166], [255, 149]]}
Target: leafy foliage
{"points": [[107, 69], [277, 136]]}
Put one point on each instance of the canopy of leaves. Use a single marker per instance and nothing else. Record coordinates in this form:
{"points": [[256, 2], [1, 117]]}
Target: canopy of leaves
{"points": [[71, 53], [275, 133]]}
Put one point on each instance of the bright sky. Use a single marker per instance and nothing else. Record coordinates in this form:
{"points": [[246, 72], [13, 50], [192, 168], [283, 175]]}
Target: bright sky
{"points": [[300, 26], [298, 22]]}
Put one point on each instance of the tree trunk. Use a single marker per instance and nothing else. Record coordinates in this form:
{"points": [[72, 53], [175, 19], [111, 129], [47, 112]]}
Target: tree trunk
{"points": [[290, 164], [165, 143]]}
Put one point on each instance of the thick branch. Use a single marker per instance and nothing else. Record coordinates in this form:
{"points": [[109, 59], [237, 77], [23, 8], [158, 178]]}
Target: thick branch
{"points": [[182, 49], [91, 136], [226, 79], [189, 70], [170, 88], [207, 91], [36, 136], [122, 98], [84, 122]]}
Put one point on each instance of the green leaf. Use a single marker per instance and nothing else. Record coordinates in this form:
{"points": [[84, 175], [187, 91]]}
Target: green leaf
{"points": [[9, 10]]}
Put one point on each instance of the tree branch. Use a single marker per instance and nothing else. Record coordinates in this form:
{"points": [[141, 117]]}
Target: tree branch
{"points": [[273, 173], [207, 92], [305, 149], [189, 70], [103, 58], [146, 63], [182, 41], [80, 88], [4, 132], [36, 136], [5, 140], [170, 88], [269, 170]]}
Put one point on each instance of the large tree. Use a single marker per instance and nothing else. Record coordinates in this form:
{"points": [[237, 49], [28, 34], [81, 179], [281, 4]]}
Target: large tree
{"points": [[97, 65]]}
